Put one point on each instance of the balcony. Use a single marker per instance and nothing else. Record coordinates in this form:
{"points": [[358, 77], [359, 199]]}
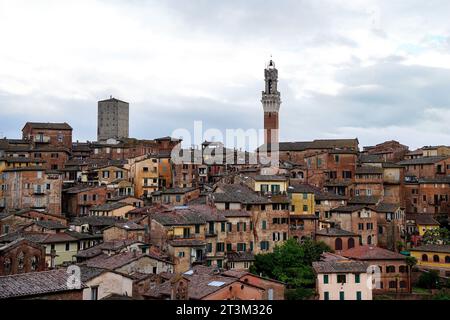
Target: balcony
{"points": [[38, 192], [211, 234]]}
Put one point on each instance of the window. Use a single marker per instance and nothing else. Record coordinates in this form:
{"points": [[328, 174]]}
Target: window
{"points": [[94, 197], [341, 295], [276, 236], [402, 269], [357, 278], [241, 247], [67, 246], [94, 293], [229, 247], [402, 284], [346, 174], [369, 240], [360, 226], [436, 258], [424, 257], [338, 244], [325, 279], [264, 224], [34, 263], [447, 259], [358, 295], [230, 227], [336, 158], [222, 226], [177, 198], [119, 174], [341, 278], [251, 246], [186, 232], [392, 284], [181, 254], [263, 207], [305, 208], [20, 260], [105, 174], [264, 188], [7, 265], [197, 228], [264, 245], [209, 247], [275, 188], [220, 247], [326, 295], [351, 243]]}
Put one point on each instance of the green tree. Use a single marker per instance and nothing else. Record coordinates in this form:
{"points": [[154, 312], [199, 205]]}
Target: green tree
{"points": [[429, 280], [437, 236], [442, 295], [291, 263]]}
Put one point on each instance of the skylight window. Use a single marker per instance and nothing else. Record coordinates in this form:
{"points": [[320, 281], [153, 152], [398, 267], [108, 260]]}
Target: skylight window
{"points": [[216, 284]]}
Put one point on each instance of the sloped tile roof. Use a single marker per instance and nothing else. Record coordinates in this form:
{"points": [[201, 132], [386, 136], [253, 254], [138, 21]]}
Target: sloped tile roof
{"points": [[433, 248], [423, 160], [34, 284], [338, 266], [334, 232], [47, 125], [371, 253]]}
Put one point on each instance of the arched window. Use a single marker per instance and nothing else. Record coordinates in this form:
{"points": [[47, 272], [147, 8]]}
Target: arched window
{"points": [[338, 244], [402, 269], [390, 269], [34, 263], [402, 284], [351, 243], [447, 259], [392, 284], [369, 240], [20, 260], [7, 265], [424, 257], [436, 258]]}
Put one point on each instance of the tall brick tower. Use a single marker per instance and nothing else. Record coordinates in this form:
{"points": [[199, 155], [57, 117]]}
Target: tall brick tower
{"points": [[271, 101]]}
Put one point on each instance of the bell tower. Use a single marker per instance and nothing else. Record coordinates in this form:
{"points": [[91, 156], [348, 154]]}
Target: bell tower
{"points": [[271, 101]]}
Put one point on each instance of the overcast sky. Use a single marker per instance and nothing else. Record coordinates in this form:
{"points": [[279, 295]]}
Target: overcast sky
{"points": [[376, 70]]}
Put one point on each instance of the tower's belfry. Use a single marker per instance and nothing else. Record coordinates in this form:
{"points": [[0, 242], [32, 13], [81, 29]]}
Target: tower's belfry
{"points": [[271, 101]]}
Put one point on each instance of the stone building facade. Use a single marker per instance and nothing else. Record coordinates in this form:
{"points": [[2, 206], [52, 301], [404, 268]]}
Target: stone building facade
{"points": [[34, 188], [21, 256], [113, 119]]}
